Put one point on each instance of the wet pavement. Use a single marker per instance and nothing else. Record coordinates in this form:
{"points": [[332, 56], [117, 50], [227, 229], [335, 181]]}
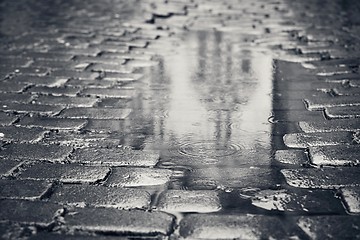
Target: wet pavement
{"points": [[190, 119]]}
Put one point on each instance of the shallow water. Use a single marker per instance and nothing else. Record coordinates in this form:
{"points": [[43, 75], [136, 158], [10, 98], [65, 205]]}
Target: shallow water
{"points": [[206, 108]]}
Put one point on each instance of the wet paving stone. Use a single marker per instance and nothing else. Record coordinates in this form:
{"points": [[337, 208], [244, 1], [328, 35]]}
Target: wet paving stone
{"points": [[13, 87], [351, 111], [115, 157], [342, 155], [40, 81], [304, 140], [28, 212], [330, 126], [7, 119], [305, 201], [37, 152], [52, 123], [351, 197], [137, 177], [10, 98], [22, 135], [200, 201], [67, 173], [292, 157], [326, 178], [81, 236], [31, 108], [7, 165], [208, 226], [65, 101], [316, 103], [119, 221], [96, 113], [330, 227], [55, 91], [23, 189], [110, 93], [100, 196]]}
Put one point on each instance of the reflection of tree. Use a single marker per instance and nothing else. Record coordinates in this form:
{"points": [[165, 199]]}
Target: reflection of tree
{"points": [[223, 79]]}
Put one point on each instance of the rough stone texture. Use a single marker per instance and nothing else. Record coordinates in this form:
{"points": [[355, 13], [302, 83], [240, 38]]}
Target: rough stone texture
{"points": [[304, 140], [330, 126], [35, 152], [306, 201], [343, 112], [6, 119], [100, 196], [330, 227], [95, 113], [115, 157], [55, 91], [21, 134], [59, 236], [111, 92], [7, 165], [52, 123], [67, 173], [327, 178], [329, 102], [292, 157], [201, 201], [66, 101], [347, 155], [29, 212], [199, 226], [351, 197], [120, 221], [23, 189], [136, 177], [31, 108]]}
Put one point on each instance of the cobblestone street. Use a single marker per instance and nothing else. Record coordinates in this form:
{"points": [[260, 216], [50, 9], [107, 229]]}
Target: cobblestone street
{"points": [[179, 119]]}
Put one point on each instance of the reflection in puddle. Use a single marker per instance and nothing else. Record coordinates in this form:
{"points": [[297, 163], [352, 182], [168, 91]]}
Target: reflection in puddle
{"points": [[210, 107]]}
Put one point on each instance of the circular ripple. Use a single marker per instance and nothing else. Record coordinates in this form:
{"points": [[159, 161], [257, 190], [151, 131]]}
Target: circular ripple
{"points": [[208, 149]]}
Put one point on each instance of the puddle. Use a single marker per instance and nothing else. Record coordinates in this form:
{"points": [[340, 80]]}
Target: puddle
{"points": [[206, 106]]}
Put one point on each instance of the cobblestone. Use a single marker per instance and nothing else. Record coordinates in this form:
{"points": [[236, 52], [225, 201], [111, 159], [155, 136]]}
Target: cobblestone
{"points": [[96, 113], [52, 123], [137, 177], [7, 119], [67, 173], [110, 92], [24, 151], [199, 226], [336, 227], [327, 178], [304, 140], [351, 197], [28, 212], [40, 81], [352, 111], [30, 108], [22, 135], [7, 166], [23, 189], [342, 155], [115, 157], [120, 221], [189, 201], [100, 196], [56, 91], [65, 101], [306, 201], [330, 126], [292, 157]]}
